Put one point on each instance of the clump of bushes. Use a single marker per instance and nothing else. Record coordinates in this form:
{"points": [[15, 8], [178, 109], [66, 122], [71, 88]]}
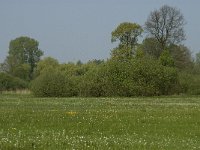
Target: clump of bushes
{"points": [[93, 82], [8, 83], [189, 83], [53, 83], [134, 77]]}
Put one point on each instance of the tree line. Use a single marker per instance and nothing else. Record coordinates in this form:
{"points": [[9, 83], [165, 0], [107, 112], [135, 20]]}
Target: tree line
{"points": [[159, 65]]}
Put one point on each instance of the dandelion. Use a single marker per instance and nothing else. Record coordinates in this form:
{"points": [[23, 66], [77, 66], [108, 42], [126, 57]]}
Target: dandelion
{"points": [[71, 113]]}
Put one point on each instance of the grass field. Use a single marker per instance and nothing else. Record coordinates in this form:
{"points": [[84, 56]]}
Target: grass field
{"points": [[99, 123]]}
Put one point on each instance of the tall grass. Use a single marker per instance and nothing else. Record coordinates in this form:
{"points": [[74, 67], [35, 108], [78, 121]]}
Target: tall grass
{"points": [[20, 92]]}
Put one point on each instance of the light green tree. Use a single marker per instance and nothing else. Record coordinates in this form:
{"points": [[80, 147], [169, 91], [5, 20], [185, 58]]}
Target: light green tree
{"points": [[45, 64], [127, 34]]}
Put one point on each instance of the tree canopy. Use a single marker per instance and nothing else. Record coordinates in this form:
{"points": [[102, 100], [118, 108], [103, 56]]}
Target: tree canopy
{"points": [[166, 25], [127, 33], [23, 50]]}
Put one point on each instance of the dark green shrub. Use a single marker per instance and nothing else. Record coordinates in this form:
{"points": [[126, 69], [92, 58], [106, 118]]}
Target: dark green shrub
{"points": [[189, 83], [53, 83], [8, 82]]}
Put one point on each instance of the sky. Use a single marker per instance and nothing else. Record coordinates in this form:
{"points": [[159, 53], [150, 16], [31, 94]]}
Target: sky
{"points": [[72, 30]]}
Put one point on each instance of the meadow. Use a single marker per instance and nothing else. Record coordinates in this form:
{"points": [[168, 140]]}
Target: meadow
{"points": [[99, 123]]}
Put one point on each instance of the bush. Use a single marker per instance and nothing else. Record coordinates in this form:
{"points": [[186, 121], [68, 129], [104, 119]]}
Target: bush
{"points": [[92, 83], [133, 77], [53, 83], [136, 77], [189, 83], [8, 82], [142, 77]]}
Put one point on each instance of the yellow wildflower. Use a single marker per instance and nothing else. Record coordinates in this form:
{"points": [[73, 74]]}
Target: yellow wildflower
{"points": [[71, 113]]}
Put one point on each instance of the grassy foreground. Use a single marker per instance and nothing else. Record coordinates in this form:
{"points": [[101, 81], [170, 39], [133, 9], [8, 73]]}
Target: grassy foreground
{"points": [[99, 123]]}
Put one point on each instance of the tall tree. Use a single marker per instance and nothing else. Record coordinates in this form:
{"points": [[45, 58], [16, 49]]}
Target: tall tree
{"points": [[166, 25], [23, 50], [127, 34], [151, 47], [182, 56]]}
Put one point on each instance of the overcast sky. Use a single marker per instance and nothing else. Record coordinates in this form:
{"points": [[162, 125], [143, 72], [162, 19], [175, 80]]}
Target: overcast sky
{"points": [[71, 30]]}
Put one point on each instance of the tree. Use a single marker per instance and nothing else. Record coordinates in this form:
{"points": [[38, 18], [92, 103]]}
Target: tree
{"points": [[151, 47], [23, 50], [166, 25], [127, 34], [182, 56]]}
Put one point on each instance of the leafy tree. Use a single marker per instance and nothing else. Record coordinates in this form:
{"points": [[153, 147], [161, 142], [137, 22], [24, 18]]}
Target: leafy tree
{"points": [[166, 25], [23, 50], [127, 34], [151, 47], [182, 56]]}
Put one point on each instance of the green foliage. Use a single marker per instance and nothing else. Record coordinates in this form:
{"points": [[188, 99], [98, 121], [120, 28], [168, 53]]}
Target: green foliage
{"points": [[166, 59], [53, 83], [139, 53], [127, 33], [151, 47], [92, 84], [8, 82], [189, 83], [136, 77], [121, 53], [22, 71], [23, 50], [44, 65], [182, 56], [148, 78]]}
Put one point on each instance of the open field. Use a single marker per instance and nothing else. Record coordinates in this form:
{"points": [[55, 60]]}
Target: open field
{"points": [[99, 123]]}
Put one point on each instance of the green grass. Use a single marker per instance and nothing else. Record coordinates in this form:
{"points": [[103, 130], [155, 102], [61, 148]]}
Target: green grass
{"points": [[99, 123]]}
